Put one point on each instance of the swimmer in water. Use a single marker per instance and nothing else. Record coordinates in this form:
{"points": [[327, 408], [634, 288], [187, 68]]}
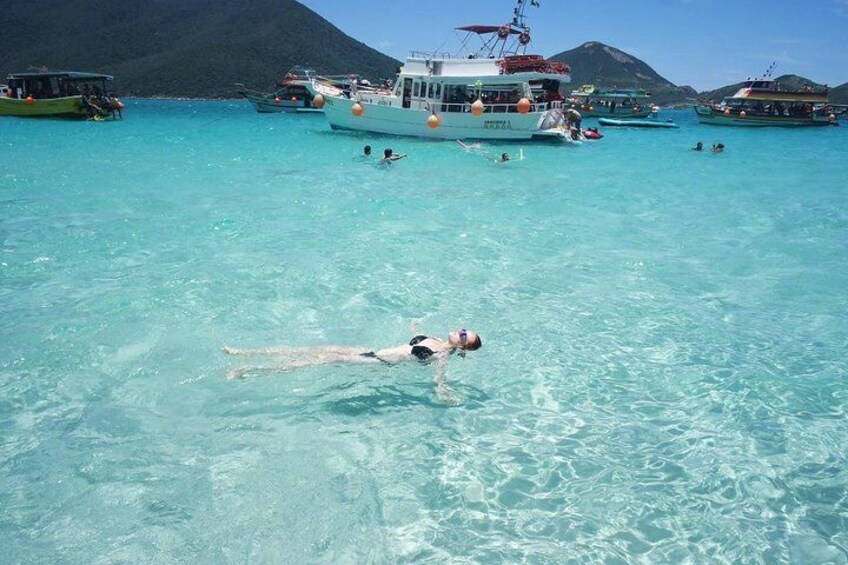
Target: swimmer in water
{"points": [[477, 149], [420, 348], [389, 156]]}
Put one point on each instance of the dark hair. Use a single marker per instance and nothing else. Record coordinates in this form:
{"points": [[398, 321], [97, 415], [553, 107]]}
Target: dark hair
{"points": [[387, 152], [474, 345], [367, 149]]}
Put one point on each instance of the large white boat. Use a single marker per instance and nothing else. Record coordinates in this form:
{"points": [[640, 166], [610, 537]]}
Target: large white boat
{"points": [[497, 92]]}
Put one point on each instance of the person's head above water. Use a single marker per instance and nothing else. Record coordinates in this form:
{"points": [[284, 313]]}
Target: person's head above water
{"points": [[505, 157], [367, 150], [387, 153], [466, 340]]}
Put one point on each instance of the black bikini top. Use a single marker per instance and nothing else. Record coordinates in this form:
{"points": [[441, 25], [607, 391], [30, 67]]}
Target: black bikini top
{"points": [[422, 352]]}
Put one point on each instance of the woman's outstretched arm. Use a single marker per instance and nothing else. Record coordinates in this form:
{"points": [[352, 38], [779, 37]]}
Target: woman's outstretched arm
{"points": [[443, 391]]}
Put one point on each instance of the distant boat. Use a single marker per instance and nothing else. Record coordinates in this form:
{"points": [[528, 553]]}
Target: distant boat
{"points": [[637, 123], [58, 94], [761, 102], [289, 96], [496, 92], [594, 101]]}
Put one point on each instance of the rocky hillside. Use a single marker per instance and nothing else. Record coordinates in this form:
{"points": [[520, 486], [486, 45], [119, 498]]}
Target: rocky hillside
{"points": [[192, 48], [602, 65], [839, 94]]}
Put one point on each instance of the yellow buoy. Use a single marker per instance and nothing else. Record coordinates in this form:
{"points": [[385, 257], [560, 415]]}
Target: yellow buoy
{"points": [[433, 121], [523, 106], [357, 109], [318, 101], [477, 108]]}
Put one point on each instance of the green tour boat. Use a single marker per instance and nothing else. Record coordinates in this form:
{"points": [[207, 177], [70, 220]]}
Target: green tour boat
{"points": [[59, 94]]}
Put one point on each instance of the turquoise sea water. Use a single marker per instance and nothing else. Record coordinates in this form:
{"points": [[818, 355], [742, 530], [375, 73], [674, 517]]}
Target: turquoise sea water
{"points": [[662, 380]]}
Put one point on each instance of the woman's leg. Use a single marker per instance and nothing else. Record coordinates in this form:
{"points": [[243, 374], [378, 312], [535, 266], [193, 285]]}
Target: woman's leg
{"points": [[294, 351], [315, 356]]}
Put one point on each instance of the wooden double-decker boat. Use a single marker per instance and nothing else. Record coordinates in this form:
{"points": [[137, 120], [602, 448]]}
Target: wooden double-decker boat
{"points": [[290, 94], [59, 94], [761, 102]]}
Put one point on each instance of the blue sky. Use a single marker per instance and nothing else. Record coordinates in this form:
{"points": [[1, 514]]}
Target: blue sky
{"points": [[702, 43]]}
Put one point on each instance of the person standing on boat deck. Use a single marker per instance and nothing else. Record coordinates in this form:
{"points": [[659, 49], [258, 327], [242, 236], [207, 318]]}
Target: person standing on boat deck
{"points": [[573, 118], [420, 348]]}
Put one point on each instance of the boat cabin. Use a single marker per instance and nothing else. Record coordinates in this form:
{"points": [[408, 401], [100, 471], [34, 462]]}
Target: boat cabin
{"points": [[452, 85], [48, 85]]}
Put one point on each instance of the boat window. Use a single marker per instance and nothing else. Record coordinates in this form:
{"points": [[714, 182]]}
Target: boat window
{"points": [[415, 88]]}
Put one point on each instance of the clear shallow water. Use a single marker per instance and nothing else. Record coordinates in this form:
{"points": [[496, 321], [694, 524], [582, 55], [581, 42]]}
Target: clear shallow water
{"points": [[662, 377]]}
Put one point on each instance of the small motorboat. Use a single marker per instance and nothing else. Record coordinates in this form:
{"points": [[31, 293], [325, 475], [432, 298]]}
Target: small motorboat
{"points": [[592, 133], [637, 123]]}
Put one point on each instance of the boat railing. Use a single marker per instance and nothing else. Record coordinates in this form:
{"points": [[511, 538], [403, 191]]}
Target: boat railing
{"points": [[429, 55], [488, 108]]}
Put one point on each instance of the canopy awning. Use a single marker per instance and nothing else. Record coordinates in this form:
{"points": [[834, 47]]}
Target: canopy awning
{"points": [[488, 29]]}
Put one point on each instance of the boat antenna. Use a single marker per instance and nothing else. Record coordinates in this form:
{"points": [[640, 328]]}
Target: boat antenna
{"points": [[770, 70]]}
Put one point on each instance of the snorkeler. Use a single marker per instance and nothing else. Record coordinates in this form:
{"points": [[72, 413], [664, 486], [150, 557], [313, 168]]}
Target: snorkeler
{"points": [[421, 348], [718, 148], [698, 146]]}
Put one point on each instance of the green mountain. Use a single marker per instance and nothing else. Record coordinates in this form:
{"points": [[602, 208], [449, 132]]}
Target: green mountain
{"points": [[192, 48], [786, 82], [839, 94], [602, 65]]}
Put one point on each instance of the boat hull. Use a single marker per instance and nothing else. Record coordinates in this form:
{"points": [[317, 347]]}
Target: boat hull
{"points": [[268, 105], [616, 113], [712, 117], [52, 107], [393, 120]]}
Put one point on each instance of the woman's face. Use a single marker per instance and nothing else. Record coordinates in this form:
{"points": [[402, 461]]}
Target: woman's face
{"points": [[462, 337]]}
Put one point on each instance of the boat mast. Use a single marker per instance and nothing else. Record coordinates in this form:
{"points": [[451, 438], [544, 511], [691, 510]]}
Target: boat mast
{"points": [[518, 26]]}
